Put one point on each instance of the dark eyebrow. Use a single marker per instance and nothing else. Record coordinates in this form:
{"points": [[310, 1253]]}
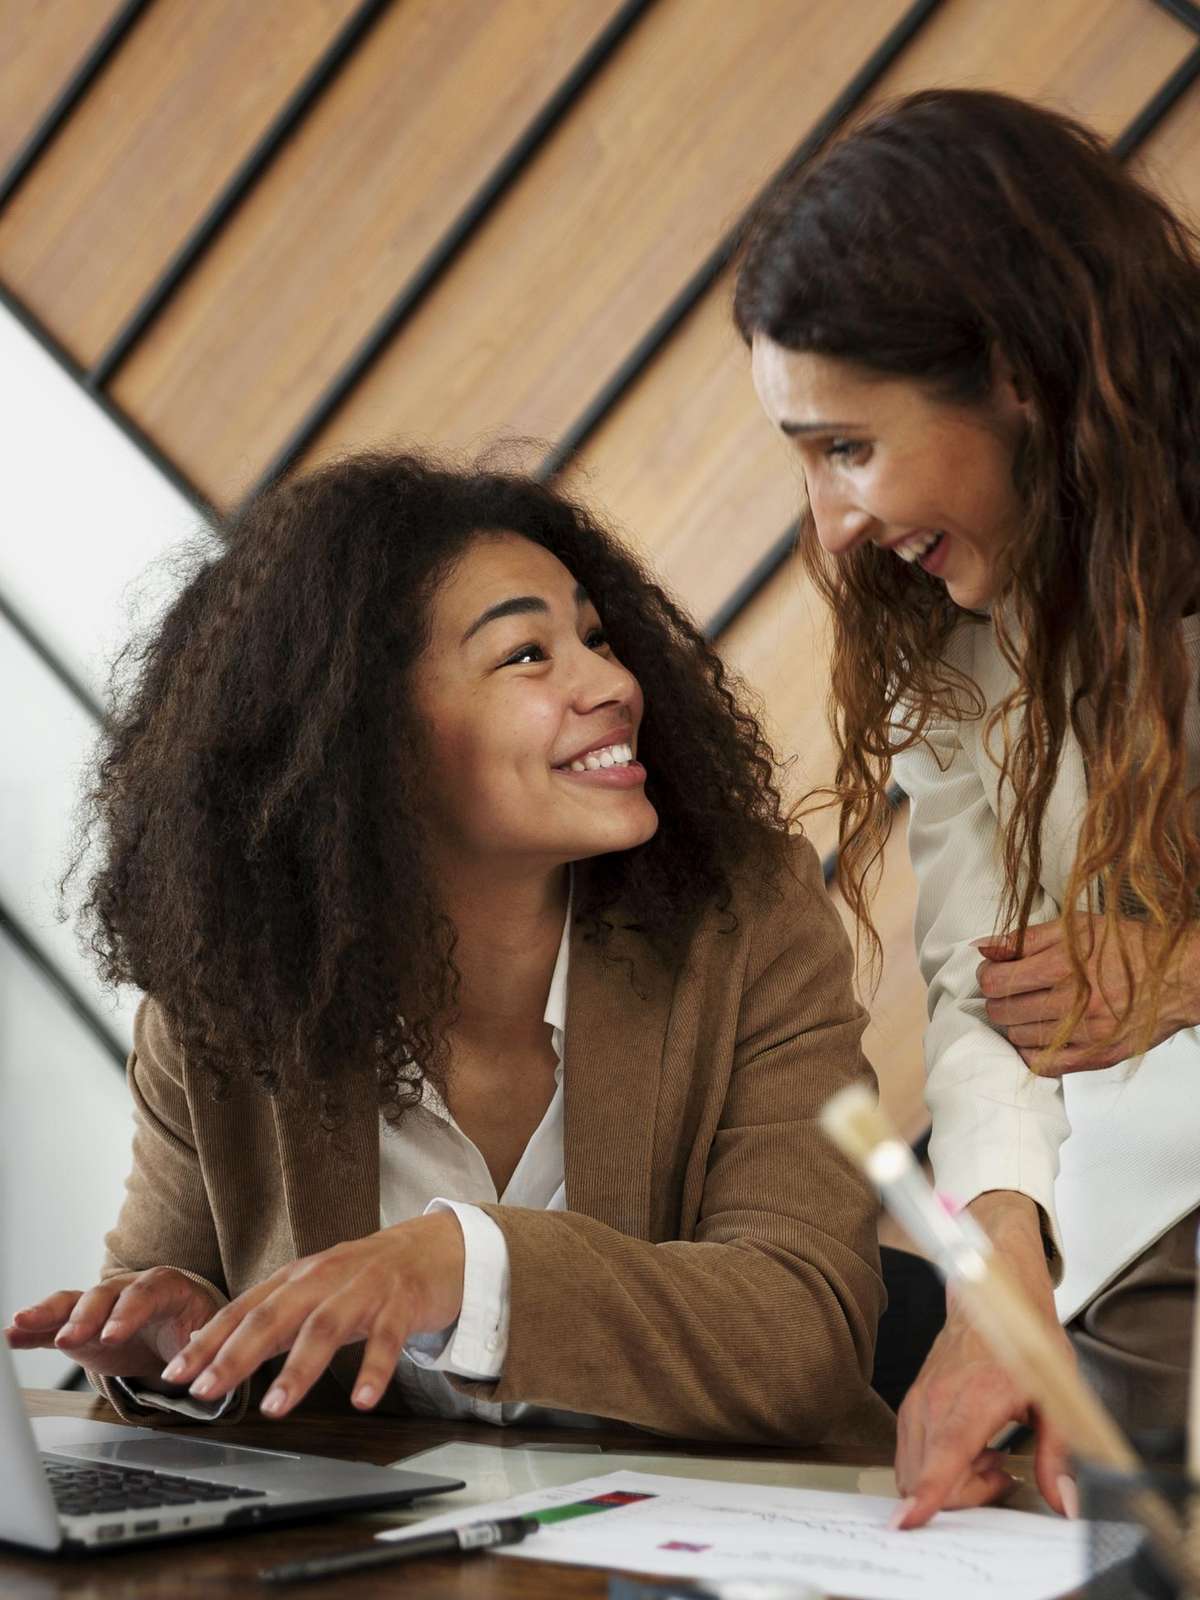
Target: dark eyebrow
{"points": [[520, 605], [801, 429]]}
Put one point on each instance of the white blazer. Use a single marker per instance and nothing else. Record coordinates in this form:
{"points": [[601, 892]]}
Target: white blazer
{"points": [[1112, 1157]]}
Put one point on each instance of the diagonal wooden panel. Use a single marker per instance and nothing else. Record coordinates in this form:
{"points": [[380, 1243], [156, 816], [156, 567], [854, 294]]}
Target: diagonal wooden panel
{"points": [[400, 143], [43, 44], [656, 162], [685, 464], [1170, 159], [779, 646], [148, 151]]}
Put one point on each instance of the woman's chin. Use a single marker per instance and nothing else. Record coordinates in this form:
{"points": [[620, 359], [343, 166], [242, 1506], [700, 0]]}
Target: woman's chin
{"points": [[616, 837]]}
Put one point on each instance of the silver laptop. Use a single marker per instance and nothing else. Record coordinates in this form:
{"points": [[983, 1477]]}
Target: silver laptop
{"points": [[67, 1484]]}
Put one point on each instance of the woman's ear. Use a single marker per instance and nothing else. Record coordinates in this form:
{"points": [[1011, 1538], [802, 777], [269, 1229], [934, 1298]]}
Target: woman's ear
{"points": [[1010, 395]]}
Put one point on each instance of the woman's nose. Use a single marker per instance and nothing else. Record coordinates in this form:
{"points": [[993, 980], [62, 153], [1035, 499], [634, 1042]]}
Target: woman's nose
{"points": [[604, 681], [841, 524]]}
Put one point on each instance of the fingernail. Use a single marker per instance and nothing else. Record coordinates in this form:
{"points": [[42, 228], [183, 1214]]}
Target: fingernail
{"points": [[1068, 1492], [896, 1520], [275, 1400], [66, 1333], [174, 1370], [365, 1394], [204, 1385], [111, 1329]]}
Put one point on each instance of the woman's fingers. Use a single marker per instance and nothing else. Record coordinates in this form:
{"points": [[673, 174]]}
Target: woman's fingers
{"points": [[88, 1316], [339, 1321], [35, 1327], [200, 1355], [160, 1295], [389, 1334]]}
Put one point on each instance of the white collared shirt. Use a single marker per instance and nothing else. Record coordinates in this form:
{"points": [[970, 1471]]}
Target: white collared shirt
{"points": [[429, 1164]]}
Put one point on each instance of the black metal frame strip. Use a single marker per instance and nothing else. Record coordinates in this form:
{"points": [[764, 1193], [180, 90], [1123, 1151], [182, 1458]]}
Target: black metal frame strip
{"points": [[69, 96], [1185, 11], [452, 242], [157, 458], [711, 268], [239, 186], [760, 574], [74, 686], [66, 991], [1156, 108]]}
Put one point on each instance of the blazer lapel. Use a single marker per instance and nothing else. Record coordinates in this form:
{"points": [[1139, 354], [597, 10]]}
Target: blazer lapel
{"points": [[612, 1065], [330, 1182]]}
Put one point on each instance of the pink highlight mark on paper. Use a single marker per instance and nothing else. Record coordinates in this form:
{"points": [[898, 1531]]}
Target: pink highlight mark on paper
{"points": [[683, 1544]]}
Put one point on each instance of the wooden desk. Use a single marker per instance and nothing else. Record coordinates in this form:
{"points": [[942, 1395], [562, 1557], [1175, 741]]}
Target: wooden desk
{"points": [[228, 1564]]}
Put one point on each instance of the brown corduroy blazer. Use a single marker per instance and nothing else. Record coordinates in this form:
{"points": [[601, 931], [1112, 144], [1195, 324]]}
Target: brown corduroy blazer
{"points": [[716, 1274]]}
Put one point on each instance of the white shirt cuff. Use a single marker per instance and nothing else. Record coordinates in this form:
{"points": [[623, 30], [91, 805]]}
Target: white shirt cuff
{"points": [[475, 1345], [184, 1404]]}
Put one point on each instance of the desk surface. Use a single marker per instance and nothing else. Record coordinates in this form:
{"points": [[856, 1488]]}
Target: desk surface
{"points": [[228, 1564]]}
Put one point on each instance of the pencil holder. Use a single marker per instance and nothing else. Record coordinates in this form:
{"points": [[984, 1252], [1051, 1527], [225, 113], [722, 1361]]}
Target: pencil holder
{"points": [[1124, 1563]]}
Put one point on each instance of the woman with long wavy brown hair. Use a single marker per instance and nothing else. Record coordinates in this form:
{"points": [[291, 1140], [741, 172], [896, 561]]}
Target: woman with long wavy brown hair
{"points": [[983, 337], [488, 998]]}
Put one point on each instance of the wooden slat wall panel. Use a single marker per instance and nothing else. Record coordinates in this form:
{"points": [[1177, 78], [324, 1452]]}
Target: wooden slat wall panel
{"points": [[1098, 59], [399, 144], [43, 42], [1170, 158], [147, 152], [653, 165], [688, 464], [684, 463]]}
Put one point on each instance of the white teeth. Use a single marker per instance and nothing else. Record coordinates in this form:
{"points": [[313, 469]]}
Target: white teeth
{"points": [[613, 755], [916, 546]]}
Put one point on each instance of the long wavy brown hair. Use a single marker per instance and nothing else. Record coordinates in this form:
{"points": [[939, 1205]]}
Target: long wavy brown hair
{"points": [[258, 803], [952, 227]]}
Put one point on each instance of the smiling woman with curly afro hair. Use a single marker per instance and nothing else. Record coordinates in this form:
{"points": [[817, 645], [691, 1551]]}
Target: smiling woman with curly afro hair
{"points": [[490, 1003]]}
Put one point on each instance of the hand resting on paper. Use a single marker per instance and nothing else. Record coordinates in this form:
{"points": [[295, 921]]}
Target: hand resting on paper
{"points": [[126, 1327], [1029, 995], [963, 1396], [382, 1289]]}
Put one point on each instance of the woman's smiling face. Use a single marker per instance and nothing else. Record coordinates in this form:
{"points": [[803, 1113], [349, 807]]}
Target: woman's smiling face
{"points": [[533, 723], [886, 463]]}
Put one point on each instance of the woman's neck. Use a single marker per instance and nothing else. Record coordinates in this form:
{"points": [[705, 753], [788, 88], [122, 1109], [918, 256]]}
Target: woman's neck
{"points": [[509, 931]]}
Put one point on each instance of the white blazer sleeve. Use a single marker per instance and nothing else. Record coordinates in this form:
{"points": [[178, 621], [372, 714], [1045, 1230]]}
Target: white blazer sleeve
{"points": [[995, 1125]]}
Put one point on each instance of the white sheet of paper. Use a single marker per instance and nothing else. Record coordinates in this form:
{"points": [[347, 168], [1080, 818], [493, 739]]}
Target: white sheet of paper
{"points": [[840, 1542]]}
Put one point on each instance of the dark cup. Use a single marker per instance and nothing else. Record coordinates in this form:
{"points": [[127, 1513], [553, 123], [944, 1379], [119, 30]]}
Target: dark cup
{"points": [[1123, 1563]]}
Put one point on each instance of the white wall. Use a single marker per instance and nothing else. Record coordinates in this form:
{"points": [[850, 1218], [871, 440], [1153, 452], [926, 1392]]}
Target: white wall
{"points": [[86, 523]]}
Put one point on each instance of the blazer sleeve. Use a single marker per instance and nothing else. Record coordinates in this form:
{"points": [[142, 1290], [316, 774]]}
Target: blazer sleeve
{"points": [[166, 1219], [995, 1124], [761, 1326]]}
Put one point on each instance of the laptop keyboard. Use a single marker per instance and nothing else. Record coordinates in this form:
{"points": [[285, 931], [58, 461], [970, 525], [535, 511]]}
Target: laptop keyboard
{"points": [[81, 1488]]}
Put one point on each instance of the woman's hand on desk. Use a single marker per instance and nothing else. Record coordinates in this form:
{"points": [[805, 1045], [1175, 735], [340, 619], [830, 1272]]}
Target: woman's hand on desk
{"points": [[963, 1396], [126, 1327], [382, 1289], [1031, 995]]}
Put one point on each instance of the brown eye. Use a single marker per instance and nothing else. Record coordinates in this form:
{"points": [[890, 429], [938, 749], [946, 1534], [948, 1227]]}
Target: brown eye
{"points": [[525, 656]]}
